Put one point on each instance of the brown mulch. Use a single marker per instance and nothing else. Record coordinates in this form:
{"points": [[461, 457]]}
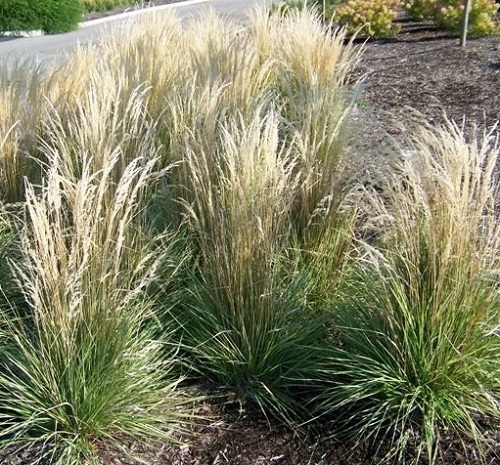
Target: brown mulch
{"points": [[429, 73], [245, 438]]}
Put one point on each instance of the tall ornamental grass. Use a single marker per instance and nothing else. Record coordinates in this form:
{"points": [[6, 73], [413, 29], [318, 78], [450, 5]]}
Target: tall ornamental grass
{"points": [[418, 342], [259, 184], [232, 137], [242, 330], [89, 363]]}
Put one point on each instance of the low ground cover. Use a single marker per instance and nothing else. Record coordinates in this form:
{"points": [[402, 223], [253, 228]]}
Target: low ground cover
{"points": [[202, 215]]}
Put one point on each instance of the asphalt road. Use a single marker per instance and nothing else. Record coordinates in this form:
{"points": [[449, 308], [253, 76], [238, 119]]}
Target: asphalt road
{"points": [[49, 48]]}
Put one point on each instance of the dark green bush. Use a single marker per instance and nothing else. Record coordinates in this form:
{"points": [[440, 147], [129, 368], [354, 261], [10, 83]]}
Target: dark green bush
{"points": [[51, 16], [18, 15], [59, 15]]}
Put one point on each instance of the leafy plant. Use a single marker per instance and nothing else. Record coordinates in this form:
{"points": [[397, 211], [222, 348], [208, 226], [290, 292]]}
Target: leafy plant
{"points": [[51, 16], [18, 15], [375, 18], [449, 13]]}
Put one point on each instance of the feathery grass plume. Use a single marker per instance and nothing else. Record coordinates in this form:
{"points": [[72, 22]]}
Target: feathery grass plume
{"points": [[88, 366], [100, 126], [66, 83], [152, 52], [222, 78], [313, 66], [19, 112], [419, 342], [222, 54], [242, 329]]}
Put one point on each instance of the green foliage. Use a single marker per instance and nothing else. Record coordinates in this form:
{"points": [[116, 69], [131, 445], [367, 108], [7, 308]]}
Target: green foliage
{"points": [[51, 16], [58, 16], [448, 14], [11, 296], [104, 5], [18, 15], [373, 17], [259, 348]]}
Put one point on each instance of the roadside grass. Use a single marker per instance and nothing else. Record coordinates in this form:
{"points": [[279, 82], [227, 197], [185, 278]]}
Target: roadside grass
{"points": [[105, 5], [187, 205]]}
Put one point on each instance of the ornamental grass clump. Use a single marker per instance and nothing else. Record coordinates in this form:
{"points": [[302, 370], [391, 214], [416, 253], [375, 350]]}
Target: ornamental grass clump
{"points": [[253, 119], [315, 100], [240, 329], [418, 333], [88, 364], [262, 176]]}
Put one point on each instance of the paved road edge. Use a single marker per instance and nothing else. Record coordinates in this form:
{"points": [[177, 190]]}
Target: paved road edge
{"points": [[140, 11]]}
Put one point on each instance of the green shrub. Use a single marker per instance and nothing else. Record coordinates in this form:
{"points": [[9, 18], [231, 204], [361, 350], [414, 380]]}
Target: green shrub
{"points": [[18, 15], [421, 9], [51, 16], [483, 18], [448, 14], [374, 18], [104, 5], [57, 16]]}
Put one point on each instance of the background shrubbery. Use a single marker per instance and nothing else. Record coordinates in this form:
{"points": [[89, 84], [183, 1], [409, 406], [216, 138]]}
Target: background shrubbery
{"points": [[103, 5], [50, 16], [483, 19], [375, 18], [18, 15]]}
